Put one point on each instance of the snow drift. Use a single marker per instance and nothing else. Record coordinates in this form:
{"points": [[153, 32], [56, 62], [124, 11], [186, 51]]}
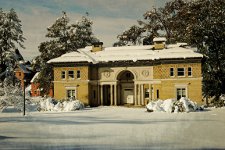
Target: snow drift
{"points": [[172, 105], [47, 104], [50, 104]]}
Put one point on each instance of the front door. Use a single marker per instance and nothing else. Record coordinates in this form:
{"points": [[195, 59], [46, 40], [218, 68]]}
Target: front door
{"points": [[128, 97]]}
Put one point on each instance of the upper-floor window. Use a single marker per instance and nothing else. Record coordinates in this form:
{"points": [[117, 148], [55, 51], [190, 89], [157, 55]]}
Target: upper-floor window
{"points": [[180, 72], [78, 73], [171, 72], [71, 74], [189, 71], [63, 74]]}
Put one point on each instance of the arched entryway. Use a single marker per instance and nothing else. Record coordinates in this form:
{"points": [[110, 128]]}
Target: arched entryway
{"points": [[125, 82]]}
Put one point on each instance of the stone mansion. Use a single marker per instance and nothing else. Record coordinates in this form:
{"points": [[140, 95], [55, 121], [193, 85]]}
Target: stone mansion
{"points": [[130, 75]]}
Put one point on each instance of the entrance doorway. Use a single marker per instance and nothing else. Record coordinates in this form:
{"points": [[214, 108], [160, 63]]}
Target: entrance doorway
{"points": [[106, 95], [125, 88]]}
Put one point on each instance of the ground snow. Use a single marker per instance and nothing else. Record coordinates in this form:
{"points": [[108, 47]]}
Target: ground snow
{"points": [[171, 105], [111, 127]]}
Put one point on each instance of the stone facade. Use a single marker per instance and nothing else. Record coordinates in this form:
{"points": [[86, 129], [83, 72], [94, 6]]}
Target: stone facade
{"points": [[133, 84]]}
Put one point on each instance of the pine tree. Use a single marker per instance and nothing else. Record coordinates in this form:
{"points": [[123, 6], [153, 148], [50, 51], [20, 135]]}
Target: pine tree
{"points": [[65, 38], [11, 35], [199, 23], [132, 35]]}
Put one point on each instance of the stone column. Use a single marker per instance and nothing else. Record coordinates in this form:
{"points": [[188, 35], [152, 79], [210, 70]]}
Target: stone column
{"points": [[139, 94], [150, 92], [142, 94], [135, 94], [115, 94], [111, 94]]}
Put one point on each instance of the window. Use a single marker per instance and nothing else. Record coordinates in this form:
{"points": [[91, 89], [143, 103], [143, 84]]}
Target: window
{"points": [[71, 94], [63, 75], [78, 73], [71, 74], [181, 92], [146, 93], [157, 94], [180, 72], [189, 71], [171, 72]]}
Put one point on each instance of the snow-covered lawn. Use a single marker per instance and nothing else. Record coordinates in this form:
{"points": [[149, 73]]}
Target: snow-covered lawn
{"points": [[113, 128]]}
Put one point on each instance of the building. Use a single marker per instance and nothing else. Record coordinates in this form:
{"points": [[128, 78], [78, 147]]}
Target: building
{"points": [[23, 73], [35, 88], [128, 75]]}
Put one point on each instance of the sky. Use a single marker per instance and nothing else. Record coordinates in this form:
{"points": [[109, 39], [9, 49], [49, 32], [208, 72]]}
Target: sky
{"points": [[110, 17]]}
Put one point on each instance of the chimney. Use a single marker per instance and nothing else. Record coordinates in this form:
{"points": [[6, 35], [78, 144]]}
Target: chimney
{"points": [[97, 46], [159, 43]]}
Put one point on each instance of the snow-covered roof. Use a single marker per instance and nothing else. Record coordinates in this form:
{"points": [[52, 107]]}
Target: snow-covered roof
{"points": [[24, 68], [34, 77], [71, 57], [127, 53], [159, 39]]}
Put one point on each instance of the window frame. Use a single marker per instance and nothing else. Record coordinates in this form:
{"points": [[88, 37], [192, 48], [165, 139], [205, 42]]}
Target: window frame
{"points": [[180, 72], [182, 89], [69, 75], [71, 92], [189, 71], [78, 74], [172, 71], [62, 75]]}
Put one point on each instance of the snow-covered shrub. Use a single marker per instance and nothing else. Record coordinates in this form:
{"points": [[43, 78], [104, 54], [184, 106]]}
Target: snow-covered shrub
{"points": [[188, 104], [50, 104], [11, 94], [172, 105], [72, 105], [168, 105], [47, 104], [154, 106]]}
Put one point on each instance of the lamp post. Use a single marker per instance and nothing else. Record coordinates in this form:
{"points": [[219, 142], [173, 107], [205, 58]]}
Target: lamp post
{"points": [[24, 98]]}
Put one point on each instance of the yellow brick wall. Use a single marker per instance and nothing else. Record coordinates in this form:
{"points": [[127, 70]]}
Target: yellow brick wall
{"points": [[83, 72], [81, 85], [163, 71], [167, 88]]}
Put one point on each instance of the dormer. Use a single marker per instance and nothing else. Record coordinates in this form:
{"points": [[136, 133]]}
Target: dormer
{"points": [[97, 46], [159, 43]]}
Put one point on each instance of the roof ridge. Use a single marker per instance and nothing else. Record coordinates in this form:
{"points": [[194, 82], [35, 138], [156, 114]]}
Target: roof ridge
{"points": [[89, 56]]}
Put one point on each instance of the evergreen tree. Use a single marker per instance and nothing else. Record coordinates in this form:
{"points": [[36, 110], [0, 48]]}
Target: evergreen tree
{"points": [[65, 38], [81, 34], [200, 23], [11, 35], [130, 36]]}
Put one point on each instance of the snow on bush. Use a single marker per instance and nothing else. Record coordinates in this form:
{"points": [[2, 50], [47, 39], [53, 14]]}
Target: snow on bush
{"points": [[50, 104], [72, 105], [172, 105]]}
